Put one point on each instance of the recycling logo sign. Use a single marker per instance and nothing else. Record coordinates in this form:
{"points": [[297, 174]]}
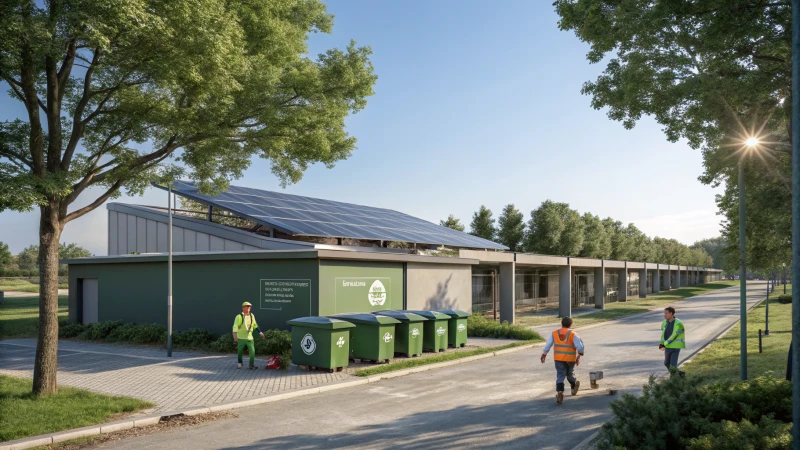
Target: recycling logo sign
{"points": [[387, 337], [440, 331], [462, 327], [415, 332], [309, 345], [377, 294], [340, 342]]}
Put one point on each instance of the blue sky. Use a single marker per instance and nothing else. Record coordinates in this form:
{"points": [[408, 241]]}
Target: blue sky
{"points": [[475, 104]]}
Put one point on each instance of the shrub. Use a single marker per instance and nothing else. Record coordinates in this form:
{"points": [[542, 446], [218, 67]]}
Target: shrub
{"points": [[100, 330], [683, 412], [275, 343], [193, 338], [785, 298], [480, 326], [70, 330], [224, 344]]}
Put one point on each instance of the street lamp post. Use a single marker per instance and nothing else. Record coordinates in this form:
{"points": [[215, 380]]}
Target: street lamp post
{"points": [[752, 142], [169, 274]]}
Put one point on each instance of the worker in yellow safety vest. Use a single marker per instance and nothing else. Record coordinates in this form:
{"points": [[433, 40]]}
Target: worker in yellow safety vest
{"points": [[567, 354], [243, 326], [673, 339]]}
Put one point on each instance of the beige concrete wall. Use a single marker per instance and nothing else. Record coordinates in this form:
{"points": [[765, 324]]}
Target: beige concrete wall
{"points": [[438, 286]]}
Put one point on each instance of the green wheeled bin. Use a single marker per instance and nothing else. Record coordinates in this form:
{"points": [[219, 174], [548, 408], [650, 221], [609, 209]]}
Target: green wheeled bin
{"points": [[320, 342], [434, 334], [372, 338], [408, 333], [457, 327]]}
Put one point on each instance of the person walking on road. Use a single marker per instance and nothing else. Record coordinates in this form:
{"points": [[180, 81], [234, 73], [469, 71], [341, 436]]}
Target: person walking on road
{"points": [[567, 354], [243, 326], [673, 339]]}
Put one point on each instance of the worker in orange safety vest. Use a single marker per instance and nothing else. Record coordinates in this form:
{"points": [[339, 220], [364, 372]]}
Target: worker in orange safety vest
{"points": [[567, 354]]}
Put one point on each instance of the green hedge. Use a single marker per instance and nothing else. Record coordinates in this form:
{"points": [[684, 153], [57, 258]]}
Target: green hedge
{"points": [[785, 298], [685, 413], [275, 342], [480, 326]]}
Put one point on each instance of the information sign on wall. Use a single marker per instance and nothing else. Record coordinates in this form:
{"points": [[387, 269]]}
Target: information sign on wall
{"points": [[280, 294]]}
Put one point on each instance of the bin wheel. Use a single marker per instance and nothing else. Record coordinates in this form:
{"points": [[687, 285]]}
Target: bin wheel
{"points": [[330, 370], [339, 369]]}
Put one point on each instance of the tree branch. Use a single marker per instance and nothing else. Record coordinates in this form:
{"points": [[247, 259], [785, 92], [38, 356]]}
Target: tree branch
{"points": [[79, 125], [99, 201]]}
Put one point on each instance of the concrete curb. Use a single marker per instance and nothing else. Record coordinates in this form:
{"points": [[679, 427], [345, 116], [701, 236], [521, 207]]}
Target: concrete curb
{"points": [[138, 422], [589, 439]]}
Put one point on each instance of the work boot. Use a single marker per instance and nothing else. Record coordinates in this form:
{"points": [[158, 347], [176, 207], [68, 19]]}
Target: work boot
{"points": [[559, 397], [253, 367], [575, 387], [240, 366]]}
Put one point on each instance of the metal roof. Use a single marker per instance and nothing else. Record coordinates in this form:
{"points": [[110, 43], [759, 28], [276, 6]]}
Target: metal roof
{"points": [[307, 216]]}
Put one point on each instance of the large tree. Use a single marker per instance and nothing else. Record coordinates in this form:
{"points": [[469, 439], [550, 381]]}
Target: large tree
{"points": [[120, 93], [482, 224], [511, 228], [597, 240], [712, 72], [555, 229], [452, 222], [5, 255]]}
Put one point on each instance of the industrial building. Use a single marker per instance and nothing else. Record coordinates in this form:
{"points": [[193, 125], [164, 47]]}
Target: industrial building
{"points": [[294, 256]]}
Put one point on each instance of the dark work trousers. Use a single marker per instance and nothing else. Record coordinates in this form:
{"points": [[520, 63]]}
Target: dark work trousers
{"points": [[564, 370], [671, 358]]}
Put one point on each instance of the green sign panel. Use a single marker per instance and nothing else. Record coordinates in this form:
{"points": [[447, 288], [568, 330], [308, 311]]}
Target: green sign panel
{"points": [[280, 294], [363, 293]]}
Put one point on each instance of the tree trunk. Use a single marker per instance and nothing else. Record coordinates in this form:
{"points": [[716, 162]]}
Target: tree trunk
{"points": [[44, 370]]}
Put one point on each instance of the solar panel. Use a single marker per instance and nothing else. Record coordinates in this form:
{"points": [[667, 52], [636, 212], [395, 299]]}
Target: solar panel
{"points": [[307, 216]]}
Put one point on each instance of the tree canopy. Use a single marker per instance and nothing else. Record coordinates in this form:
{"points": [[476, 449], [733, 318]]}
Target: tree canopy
{"points": [[452, 222], [712, 72], [555, 229], [511, 228], [482, 224]]}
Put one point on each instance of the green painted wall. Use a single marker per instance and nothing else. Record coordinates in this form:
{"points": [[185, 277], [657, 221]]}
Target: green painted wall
{"points": [[206, 294], [359, 286]]}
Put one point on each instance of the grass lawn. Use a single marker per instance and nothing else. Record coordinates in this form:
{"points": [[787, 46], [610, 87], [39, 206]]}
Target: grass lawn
{"points": [[23, 415], [19, 285], [19, 317], [617, 310], [720, 360], [409, 363]]}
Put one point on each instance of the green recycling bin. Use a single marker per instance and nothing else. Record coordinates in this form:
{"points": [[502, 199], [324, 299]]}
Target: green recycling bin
{"points": [[373, 336], [320, 342], [408, 333], [434, 334], [457, 327]]}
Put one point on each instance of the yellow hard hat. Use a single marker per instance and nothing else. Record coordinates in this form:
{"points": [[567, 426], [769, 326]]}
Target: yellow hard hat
{"points": [[246, 304]]}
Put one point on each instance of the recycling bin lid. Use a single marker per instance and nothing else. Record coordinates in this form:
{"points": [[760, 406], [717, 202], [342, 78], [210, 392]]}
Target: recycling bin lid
{"points": [[325, 323], [455, 313], [431, 315], [366, 319], [403, 316]]}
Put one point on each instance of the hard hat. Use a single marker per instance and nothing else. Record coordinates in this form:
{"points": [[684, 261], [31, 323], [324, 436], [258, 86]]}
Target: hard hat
{"points": [[246, 304]]}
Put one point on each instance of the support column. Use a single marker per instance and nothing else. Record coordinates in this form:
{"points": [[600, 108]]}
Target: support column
{"points": [[507, 284], [678, 278], [643, 282], [600, 287], [622, 289], [669, 277], [565, 291], [657, 280]]}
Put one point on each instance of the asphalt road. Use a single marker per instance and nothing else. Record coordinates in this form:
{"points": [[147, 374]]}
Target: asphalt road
{"points": [[506, 401]]}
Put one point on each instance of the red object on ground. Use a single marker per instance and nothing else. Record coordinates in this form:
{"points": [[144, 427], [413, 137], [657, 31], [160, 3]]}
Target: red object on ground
{"points": [[273, 363]]}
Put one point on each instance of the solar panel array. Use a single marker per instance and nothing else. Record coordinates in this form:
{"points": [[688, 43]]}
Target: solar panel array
{"points": [[306, 216]]}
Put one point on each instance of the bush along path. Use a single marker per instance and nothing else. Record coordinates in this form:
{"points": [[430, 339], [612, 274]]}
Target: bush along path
{"points": [[275, 342]]}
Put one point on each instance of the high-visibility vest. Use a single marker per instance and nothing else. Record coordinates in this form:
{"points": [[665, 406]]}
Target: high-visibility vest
{"points": [[564, 349], [678, 338]]}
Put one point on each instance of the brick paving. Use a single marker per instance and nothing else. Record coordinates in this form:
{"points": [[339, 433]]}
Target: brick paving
{"points": [[186, 380]]}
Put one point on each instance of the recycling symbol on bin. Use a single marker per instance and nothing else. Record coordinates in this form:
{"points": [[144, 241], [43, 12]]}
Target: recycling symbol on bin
{"points": [[440, 331], [308, 345], [387, 337], [340, 342], [415, 332], [462, 327]]}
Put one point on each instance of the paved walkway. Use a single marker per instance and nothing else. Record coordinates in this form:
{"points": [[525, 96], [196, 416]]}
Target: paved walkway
{"points": [[505, 401], [18, 294], [183, 381]]}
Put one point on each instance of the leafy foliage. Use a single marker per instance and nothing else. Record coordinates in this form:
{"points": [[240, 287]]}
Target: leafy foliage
{"points": [[482, 224], [597, 239], [714, 73], [785, 298], [452, 222], [27, 260], [511, 228], [480, 326], [555, 229], [5, 255], [684, 413]]}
